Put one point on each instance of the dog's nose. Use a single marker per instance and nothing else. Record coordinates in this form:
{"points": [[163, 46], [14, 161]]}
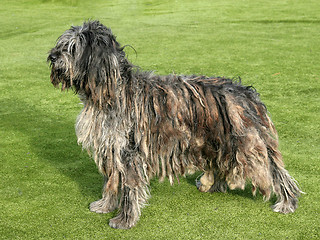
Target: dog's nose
{"points": [[53, 57]]}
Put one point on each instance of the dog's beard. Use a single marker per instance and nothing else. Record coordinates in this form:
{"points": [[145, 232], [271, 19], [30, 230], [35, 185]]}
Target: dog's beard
{"points": [[61, 73], [58, 76]]}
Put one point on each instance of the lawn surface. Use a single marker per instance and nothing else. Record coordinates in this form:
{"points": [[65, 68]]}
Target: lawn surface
{"points": [[47, 182]]}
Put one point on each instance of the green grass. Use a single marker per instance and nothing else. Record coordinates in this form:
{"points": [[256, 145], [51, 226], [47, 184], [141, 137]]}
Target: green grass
{"points": [[47, 182]]}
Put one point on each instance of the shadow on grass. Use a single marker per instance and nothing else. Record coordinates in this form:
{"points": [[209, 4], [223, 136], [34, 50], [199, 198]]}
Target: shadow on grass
{"points": [[51, 137]]}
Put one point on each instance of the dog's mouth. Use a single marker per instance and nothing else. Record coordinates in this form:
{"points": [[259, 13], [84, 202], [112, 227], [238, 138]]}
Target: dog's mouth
{"points": [[57, 76], [59, 73]]}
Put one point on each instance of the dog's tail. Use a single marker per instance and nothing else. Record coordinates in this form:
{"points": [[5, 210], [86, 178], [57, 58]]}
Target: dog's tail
{"points": [[284, 186]]}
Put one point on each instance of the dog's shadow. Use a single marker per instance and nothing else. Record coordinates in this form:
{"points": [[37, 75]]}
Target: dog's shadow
{"points": [[50, 136]]}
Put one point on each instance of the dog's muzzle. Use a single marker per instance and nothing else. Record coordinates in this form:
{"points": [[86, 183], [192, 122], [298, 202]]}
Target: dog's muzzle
{"points": [[53, 57]]}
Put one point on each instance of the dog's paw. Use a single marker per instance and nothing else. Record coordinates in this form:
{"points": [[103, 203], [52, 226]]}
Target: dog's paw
{"points": [[202, 188], [205, 182], [122, 221], [102, 206]]}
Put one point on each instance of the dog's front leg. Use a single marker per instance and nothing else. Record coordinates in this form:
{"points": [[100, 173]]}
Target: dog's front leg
{"points": [[109, 200], [134, 195]]}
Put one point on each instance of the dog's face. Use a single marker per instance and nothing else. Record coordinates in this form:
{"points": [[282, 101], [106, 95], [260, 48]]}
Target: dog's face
{"points": [[83, 57]]}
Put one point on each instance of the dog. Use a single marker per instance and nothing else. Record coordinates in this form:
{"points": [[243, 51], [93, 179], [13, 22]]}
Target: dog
{"points": [[138, 125]]}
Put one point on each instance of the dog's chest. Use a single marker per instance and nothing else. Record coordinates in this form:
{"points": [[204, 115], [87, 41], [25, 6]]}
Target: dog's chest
{"points": [[86, 126], [98, 129]]}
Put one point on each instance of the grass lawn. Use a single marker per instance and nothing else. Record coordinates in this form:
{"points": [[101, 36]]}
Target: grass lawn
{"points": [[47, 182]]}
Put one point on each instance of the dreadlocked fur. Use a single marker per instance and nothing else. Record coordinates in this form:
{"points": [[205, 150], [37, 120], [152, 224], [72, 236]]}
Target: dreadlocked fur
{"points": [[138, 125]]}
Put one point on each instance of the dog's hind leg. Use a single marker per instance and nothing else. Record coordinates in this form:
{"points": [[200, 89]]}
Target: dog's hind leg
{"points": [[109, 201], [284, 186], [268, 172], [251, 162], [260, 160]]}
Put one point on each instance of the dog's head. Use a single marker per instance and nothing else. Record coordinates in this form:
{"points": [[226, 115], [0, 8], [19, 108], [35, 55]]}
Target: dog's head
{"points": [[87, 58]]}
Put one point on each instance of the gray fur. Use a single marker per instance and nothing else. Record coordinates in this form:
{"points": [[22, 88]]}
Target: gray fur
{"points": [[138, 125]]}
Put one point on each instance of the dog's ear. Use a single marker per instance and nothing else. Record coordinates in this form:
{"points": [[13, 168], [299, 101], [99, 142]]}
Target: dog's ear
{"points": [[98, 63]]}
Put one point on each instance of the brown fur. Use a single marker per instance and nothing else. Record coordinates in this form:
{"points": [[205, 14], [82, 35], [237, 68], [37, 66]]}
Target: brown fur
{"points": [[138, 125]]}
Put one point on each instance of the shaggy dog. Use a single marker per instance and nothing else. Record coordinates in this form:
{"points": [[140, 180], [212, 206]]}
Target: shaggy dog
{"points": [[138, 125]]}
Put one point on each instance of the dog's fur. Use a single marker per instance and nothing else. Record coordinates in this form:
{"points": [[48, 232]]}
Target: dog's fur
{"points": [[138, 125]]}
